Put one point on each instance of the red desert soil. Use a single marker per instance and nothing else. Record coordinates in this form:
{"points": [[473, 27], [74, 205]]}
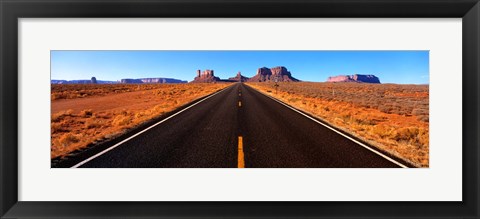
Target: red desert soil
{"points": [[391, 117], [135, 100], [86, 114]]}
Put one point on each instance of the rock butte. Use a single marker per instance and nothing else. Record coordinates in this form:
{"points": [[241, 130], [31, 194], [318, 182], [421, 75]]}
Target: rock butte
{"points": [[206, 76], [238, 78], [266, 74], [355, 78]]}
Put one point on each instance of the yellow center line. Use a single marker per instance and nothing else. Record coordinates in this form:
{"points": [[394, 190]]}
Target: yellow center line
{"points": [[241, 160]]}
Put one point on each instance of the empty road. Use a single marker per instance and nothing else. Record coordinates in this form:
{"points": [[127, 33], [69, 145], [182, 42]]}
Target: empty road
{"points": [[234, 128]]}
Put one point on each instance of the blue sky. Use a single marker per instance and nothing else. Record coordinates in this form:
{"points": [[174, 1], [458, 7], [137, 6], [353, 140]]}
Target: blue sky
{"points": [[401, 67]]}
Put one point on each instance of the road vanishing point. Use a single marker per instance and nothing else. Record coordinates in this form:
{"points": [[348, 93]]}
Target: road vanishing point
{"points": [[237, 127]]}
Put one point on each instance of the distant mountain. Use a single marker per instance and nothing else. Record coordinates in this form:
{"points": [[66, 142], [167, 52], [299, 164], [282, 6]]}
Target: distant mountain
{"points": [[206, 76], [355, 78], [279, 73], [81, 82], [238, 78], [152, 81], [124, 81]]}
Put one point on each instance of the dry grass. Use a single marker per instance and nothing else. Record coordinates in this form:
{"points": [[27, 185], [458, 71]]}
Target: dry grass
{"points": [[73, 91], [391, 117], [103, 112]]}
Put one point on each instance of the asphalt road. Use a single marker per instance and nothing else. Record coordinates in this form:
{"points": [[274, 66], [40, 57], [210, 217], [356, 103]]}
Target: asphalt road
{"points": [[238, 127]]}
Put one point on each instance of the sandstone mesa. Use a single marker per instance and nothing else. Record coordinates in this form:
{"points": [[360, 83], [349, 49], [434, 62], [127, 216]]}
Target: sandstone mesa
{"points": [[279, 73], [355, 78]]}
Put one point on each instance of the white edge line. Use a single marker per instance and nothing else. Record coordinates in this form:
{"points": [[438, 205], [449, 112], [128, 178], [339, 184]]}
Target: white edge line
{"points": [[346, 136], [140, 132]]}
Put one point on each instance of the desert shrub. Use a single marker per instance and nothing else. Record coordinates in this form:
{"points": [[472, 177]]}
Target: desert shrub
{"points": [[57, 117], [406, 134], [92, 122], [419, 111], [383, 131], [86, 113], [346, 116], [103, 115], [423, 118], [56, 128], [68, 139], [123, 112], [393, 108], [56, 96], [293, 100], [357, 127], [385, 109], [403, 111], [139, 115], [364, 121], [121, 120], [412, 135], [159, 108], [423, 137]]}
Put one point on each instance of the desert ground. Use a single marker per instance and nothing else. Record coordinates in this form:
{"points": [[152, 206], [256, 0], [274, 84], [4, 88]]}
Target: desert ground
{"points": [[394, 118], [82, 115]]}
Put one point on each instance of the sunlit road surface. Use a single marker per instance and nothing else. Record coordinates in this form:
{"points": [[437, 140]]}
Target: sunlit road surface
{"points": [[238, 127]]}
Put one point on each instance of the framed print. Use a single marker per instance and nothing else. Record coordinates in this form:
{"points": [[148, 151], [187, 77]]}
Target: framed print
{"points": [[239, 109]]}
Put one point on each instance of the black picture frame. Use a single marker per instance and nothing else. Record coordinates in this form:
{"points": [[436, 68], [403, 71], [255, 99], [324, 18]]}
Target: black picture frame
{"points": [[12, 10]]}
